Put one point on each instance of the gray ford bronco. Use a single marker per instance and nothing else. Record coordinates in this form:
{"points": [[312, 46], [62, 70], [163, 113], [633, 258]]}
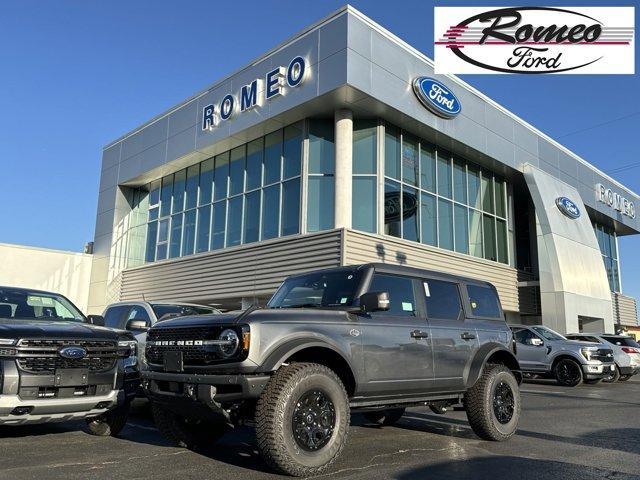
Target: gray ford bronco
{"points": [[371, 338], [56, 365]]}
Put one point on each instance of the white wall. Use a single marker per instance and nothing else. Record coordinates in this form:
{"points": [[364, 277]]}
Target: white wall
{"points": [[57, 271]]}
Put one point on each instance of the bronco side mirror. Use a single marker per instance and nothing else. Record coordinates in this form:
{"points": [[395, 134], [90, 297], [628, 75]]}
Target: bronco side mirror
{"points": [[137, 325], [97, 320], [374, 301]]}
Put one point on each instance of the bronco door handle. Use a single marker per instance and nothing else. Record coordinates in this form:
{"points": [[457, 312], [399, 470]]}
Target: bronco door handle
{"points": [[467, 336], [419, 334]]}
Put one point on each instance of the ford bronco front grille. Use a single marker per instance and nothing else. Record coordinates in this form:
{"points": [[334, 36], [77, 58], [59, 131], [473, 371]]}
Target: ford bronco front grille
{"points": [[42, 357], [187, 340]]}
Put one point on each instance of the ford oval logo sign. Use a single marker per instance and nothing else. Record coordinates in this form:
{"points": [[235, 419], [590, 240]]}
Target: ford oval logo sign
{"points": [[72, 353], [436, 97], [567, 207]]}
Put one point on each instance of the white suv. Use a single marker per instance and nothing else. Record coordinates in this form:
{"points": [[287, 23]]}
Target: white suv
{"points": [[626, 353]]}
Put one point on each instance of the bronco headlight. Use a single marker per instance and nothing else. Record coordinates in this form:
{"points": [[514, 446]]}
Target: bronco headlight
{"points": [[128, 350], [588, 352], [229, 342]]}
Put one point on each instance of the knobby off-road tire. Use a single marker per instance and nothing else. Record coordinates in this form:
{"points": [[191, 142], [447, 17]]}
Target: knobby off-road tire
{"points": [[568, 373], [614, 377], [109, 423], [185, 433], [302, 419], [493, 404], [385, 418]]}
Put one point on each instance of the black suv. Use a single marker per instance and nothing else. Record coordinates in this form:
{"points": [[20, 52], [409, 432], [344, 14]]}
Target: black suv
{"points": [[56, 366], [370, 338]]}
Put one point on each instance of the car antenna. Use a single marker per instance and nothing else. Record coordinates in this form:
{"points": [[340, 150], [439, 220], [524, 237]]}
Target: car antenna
{"points": [[143, 299]]}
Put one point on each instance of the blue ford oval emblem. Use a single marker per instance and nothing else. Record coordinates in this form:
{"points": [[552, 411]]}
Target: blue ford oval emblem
{"points": [[72, 353], [567, 207], [436, 97]]}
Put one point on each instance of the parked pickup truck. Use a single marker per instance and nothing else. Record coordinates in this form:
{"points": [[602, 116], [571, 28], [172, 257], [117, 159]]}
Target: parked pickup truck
{"points": [[372, 338], [56, 366]]}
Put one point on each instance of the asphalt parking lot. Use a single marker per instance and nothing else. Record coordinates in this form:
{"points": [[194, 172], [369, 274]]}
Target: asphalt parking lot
{"points": [[588, 432]]}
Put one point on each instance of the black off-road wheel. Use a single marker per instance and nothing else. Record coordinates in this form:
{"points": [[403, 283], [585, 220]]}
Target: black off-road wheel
{"points": [[614, 376], [493, 404], [109, 423], [568, 372], [385, 418], [184, 432], [302, 419]]}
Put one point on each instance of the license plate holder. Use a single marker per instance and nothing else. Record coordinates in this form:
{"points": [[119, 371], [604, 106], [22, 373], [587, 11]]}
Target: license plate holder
{"points": [[173, 362], [71, 377]]}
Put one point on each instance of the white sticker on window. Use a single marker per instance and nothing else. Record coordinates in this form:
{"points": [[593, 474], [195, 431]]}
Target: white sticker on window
{"points": [[407, 306], [343, 300], [474, 305], [426, 289]]}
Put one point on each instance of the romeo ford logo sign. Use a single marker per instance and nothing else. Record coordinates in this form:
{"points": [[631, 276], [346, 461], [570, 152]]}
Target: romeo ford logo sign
{"points": [[436, 97], [534, 40], [72, 353], [567, 207]]}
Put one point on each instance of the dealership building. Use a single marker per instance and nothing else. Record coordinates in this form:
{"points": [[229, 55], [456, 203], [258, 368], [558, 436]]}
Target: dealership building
{"points": [[341, 146]]}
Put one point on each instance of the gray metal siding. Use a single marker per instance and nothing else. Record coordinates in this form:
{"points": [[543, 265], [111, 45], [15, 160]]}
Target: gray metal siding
{"points": [[243, 271], [364, 248], [625, 310]]}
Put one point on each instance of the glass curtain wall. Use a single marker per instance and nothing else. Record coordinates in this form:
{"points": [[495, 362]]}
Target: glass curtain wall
{"points": [[608, 243], [365, 175], [320, 196], [434, 197], [244, 195]]}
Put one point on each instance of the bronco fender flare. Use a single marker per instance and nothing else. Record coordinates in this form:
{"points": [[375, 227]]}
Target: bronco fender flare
{"points": [[494, 352]]}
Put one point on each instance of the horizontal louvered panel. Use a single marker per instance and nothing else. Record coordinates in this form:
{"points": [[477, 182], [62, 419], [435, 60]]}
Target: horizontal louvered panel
{"points": [[625, 310]]}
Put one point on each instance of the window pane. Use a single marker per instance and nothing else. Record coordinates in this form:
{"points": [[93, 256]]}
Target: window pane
{"points": [[409, 159], [254, 164], [221, 176], [475, 199], [234, 222], [192, 186], [427, 167], [321, 147], [236, 170], [487, 193], [152, 233], [475, 233], [219, 221], [165, 195], [461, 228], [272, 157], [163, 230], [484, 301], [154, 193], [364, 203], [459, 182], [204, 227], [176, 236], [444, 174], [614, 247], [178, 191], [270, 209], [291, 207], [161, 251], [445, 224], [189, 235], [428, 220], [292, 151], [410, 214], [364, 146], [616, 276], [501, 207], [489, 230], [252, 217], [153, 213], [392, 152], [443, 300], [320, 203], [503, 240], [400, 290], [206, 181], [392, 208]]}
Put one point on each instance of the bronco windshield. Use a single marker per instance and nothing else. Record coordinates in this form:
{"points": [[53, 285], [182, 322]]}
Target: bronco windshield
{"points": [[548, 334], [28, 305], [335, 288]]}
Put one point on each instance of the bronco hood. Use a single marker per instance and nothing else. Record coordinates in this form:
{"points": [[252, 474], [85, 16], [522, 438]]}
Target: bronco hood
{"points": [[10, 328]]}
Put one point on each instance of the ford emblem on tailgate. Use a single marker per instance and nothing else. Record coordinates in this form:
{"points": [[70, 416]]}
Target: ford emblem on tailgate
{"points": [[72, 353], [436, 97], [567, 207]]}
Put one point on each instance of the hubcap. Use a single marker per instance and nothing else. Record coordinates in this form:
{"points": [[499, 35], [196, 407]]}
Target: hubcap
{"points": [[314, 419], [503, 403]]}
